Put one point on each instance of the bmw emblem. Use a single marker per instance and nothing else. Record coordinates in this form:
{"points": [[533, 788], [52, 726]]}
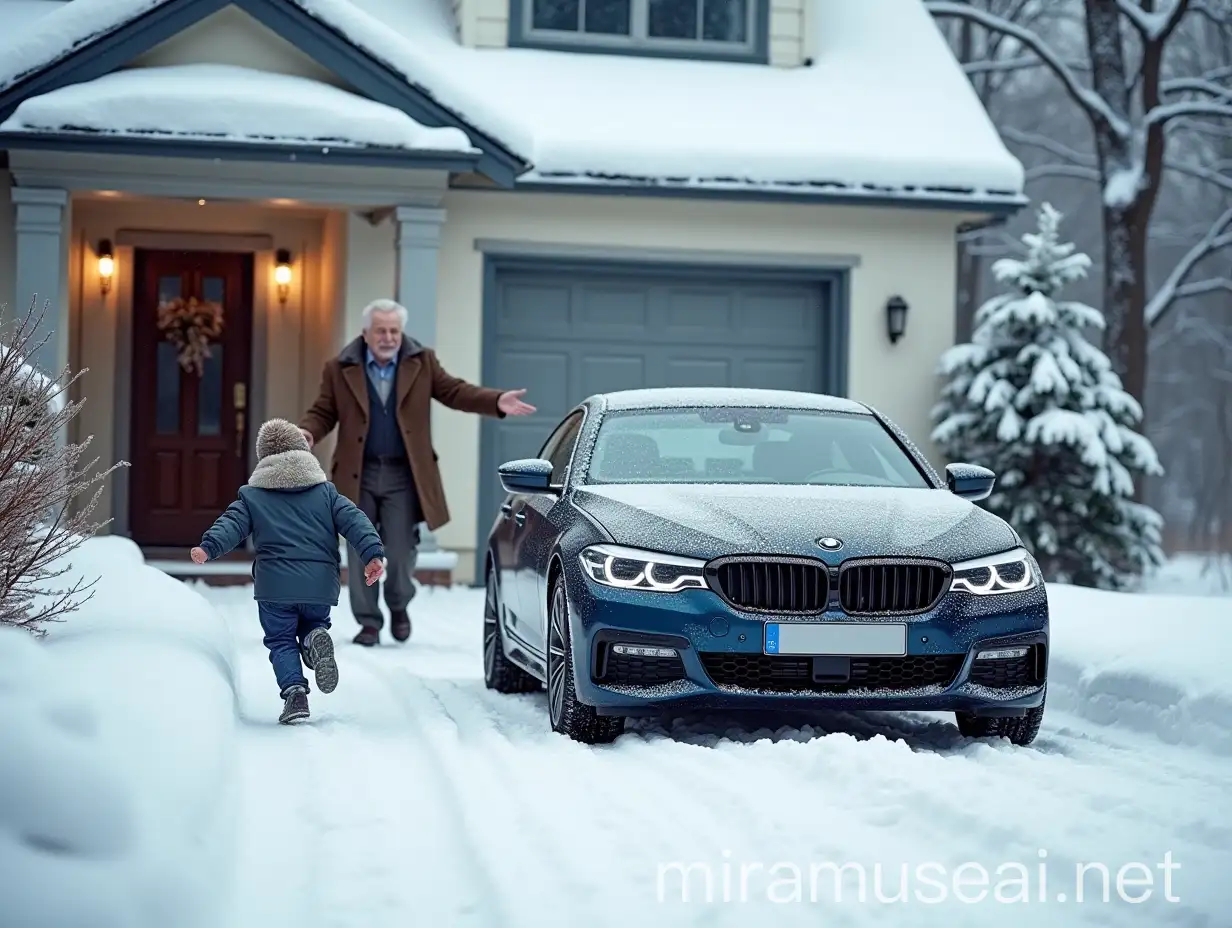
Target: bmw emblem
{"points": [[830, 544]]}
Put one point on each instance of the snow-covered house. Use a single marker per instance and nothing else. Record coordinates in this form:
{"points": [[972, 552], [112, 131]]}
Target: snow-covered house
{"points": [[569, 195]]}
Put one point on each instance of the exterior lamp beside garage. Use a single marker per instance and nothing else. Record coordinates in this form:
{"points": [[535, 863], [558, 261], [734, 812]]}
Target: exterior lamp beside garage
{"points": [[106, 265], [896, 318], [282, 274]]}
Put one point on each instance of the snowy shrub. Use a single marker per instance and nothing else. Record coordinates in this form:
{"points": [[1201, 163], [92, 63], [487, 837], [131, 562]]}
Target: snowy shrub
{"points": [[41, 476], [1033, 399]]}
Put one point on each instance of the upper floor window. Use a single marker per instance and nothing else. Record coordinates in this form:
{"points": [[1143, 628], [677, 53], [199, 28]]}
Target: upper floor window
{"points": [[725, 29]]}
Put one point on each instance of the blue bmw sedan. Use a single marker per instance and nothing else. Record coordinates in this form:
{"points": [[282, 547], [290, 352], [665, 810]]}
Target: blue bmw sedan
{"points": [[679, 549]]}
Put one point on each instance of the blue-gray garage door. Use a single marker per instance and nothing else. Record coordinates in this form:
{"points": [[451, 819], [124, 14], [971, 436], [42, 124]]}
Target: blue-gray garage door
{"points": [[565, 334]]}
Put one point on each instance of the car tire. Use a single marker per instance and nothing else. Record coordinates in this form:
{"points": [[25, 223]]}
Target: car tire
{"points": [[1020, 731], [567, 715], [499, 672]]}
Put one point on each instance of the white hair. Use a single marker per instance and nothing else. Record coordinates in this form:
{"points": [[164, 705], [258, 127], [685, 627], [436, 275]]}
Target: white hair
{"points": [[384, 306]]}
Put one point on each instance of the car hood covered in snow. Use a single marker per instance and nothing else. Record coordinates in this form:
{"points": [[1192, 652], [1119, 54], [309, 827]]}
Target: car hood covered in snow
{"points": [[712, 520]]}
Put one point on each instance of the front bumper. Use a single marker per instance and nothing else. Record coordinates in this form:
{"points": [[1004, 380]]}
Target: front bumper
{"points": [[719, 661]]}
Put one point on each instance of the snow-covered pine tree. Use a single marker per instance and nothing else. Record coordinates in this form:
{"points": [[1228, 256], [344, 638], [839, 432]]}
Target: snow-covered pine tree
{"points": [[1031, 398]]}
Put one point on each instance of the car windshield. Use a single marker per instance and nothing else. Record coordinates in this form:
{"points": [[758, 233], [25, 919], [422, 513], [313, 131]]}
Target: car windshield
{"points": [[749, 445]]}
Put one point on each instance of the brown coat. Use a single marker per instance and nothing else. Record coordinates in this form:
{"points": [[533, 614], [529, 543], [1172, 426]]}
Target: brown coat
{"points": [[343, 401]]}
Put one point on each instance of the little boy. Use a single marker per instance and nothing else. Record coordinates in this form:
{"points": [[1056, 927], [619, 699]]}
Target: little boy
{"points": [[295, 515]]}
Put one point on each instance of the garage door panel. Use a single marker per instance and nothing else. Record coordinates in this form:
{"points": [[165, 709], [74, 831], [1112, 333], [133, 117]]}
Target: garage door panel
{"points": [[528, 308], [779, 318], [544, 374], [603, 373], [694, 313], [611, 310], [698, 372], [778, 374]]}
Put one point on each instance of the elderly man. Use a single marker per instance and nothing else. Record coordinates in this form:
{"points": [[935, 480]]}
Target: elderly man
{"points": [[378, 391]]}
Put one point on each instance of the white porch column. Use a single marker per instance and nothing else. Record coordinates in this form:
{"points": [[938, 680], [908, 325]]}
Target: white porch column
{"points": [[417, 245], [41, 215]]}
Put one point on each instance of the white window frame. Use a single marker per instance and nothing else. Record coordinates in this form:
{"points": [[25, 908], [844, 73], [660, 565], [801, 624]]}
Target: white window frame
{"points": [[638, 41]]}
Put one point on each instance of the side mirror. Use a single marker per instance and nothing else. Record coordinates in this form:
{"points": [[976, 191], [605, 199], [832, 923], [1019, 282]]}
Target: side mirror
{"points": [[970, 481], [528, 475]]}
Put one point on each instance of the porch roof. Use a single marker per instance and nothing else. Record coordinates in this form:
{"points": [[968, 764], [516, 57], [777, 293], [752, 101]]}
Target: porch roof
{"points": [[884, 114], [220, 110]]}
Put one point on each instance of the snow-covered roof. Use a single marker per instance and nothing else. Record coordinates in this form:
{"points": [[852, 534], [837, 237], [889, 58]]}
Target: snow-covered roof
{"points": [[885, 109], [17, 15], [214, 101]]}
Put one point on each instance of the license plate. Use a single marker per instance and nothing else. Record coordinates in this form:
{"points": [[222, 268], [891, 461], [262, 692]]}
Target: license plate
{"points": [[848, 639]]}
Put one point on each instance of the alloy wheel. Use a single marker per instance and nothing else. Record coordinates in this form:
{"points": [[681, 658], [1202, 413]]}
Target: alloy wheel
{"points": [[557, 642], [491, 632]]}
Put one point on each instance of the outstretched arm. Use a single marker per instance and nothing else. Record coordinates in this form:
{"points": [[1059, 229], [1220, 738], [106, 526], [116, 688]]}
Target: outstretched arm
{"points": [[458, 394], [351, 523], [228, 532]]}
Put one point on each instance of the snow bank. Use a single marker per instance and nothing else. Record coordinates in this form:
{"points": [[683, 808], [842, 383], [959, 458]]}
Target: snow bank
{"points": [[116, 781], [1192, 575], [1154, 664], [231, 103]]}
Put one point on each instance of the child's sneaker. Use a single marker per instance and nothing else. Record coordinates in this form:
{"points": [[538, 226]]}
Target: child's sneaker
{"points": [[294, 705], [319, 656]]}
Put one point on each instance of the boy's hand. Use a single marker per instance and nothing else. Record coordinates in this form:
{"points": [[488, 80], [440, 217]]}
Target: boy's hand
{"points": [[372, 573], [199, 556]]}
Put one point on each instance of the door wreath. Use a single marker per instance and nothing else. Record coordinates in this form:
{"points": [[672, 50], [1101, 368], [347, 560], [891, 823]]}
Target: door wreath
{"points": [[190, 325]]}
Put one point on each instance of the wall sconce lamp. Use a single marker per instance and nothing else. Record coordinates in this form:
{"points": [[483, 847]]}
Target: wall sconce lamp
{"points": [[106, 265], [282, 274], [896, 318]]}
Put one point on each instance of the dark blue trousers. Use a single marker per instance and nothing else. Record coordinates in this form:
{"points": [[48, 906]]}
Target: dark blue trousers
{"points": [[286, 626]]}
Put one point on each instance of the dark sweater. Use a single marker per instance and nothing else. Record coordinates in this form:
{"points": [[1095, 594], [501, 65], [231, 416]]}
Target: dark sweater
{"points": [[295, 516], [384, 439]]}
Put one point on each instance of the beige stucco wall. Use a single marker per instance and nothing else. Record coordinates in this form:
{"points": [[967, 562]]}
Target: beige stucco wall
{"points": [[231, 36], [907, 252], [299, 334]]}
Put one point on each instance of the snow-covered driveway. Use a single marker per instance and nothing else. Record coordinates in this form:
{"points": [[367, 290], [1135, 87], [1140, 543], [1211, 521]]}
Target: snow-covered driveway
{"points": [[414, 796]]}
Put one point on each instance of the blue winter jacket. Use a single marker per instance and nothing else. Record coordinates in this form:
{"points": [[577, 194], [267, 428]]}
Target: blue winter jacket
{"points": [[295, 516]]}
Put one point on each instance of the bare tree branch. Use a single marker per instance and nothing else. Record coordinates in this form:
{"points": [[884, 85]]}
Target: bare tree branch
{"points": [[1216, 238], [1201, 173], [1095, 105], [1021, 63], [1072, 171], [1154, 26], [1196, 85], [1201, 288], [1162, 114], [1043, 142], [41, 477]]}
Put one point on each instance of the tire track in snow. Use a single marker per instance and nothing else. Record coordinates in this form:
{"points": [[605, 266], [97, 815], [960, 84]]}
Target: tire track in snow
{"points": [[485, 906], [544, 872], [322, 844]]}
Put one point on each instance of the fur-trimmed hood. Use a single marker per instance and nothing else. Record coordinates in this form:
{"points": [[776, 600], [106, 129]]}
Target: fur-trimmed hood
{"points": [[288, 470]]}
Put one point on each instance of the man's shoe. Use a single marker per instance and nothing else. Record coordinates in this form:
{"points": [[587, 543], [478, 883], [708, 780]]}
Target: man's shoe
{"points": [[294, 705], [368, 636], [400, 625], [319, 656]]}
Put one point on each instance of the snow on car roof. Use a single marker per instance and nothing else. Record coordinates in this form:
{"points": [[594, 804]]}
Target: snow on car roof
{"points": [[656, 397]]}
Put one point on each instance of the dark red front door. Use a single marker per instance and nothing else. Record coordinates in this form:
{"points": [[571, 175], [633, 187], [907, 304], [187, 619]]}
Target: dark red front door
{"points": [[189, 429]]}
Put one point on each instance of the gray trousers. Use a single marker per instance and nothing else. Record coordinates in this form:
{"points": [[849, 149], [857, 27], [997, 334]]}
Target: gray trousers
{"points": [[388, 497]]}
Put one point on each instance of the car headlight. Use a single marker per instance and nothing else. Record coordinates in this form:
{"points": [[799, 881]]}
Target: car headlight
{"points": [[634, 569], [1008, 572]]}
